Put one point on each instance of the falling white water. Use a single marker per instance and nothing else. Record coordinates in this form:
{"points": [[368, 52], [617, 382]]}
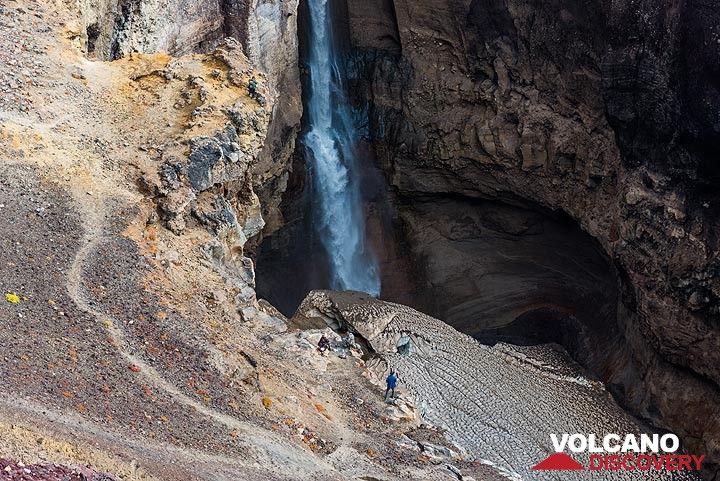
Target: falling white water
{"points": [[331, 148]]}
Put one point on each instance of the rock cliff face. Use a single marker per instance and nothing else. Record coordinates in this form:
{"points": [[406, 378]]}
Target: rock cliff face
{"points": [[606, 111], [267, 31]]}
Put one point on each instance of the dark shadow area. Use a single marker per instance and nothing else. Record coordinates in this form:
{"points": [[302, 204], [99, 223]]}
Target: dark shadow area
{"points": [[512, 273], [92, 32], [292, 261]]}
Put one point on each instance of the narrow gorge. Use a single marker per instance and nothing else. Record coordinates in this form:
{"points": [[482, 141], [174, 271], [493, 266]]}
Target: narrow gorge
{"points": [[545, 184], [331, 143], [202, 176]]}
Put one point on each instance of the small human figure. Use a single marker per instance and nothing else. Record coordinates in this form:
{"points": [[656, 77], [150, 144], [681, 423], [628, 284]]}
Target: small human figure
{"points": [[323, 344], [253, 88], [391, 382], [348, 340]]}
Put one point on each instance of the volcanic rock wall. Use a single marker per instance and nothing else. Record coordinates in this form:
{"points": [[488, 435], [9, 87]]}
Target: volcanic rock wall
{"points": [[604, 110], [267, 31]]}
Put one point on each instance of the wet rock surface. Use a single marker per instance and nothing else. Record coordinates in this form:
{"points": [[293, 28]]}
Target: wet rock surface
{"points": [[602, 111]]}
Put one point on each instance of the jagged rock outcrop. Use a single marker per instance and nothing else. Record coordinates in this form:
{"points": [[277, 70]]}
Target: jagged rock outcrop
{"points": [[202, 179], [499, 403], [231, 180], [267, 31], [603, 111]]}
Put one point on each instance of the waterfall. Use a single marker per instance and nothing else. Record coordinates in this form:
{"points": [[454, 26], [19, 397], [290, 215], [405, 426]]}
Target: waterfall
{"points": [[331, 144]]}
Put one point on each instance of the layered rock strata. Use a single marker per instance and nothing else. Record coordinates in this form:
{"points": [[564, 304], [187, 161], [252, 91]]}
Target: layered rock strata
{"points": [[602, 111]]}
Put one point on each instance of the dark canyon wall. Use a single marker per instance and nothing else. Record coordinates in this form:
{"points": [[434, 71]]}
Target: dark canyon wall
{"points": [[606, 111]]}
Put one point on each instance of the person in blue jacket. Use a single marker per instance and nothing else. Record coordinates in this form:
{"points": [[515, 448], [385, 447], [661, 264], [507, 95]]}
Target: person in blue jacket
{"points": [[391, 382]]}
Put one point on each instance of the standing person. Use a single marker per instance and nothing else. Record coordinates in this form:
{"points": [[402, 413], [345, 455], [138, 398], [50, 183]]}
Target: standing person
{"points": [[253, 88], [323, 344], [391, 382]]}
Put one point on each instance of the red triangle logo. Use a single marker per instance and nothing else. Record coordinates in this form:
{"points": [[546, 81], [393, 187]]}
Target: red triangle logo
{"points": [[558, 462]]}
